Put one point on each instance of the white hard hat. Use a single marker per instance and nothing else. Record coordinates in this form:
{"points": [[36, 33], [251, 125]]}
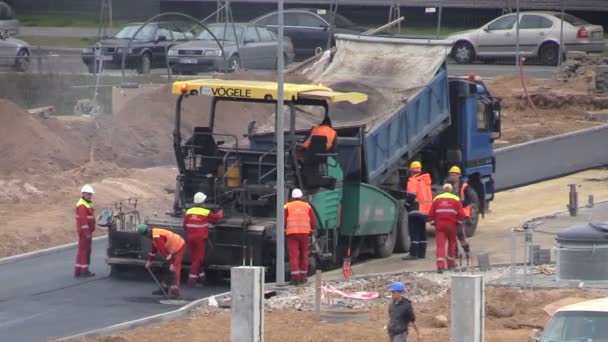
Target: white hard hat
{"points": [[447, 187], [87, 188], [199, 198], [296, 193]]}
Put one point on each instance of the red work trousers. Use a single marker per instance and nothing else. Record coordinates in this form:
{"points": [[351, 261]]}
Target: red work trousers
{"points": [[449, 232], [297, 245], [197, 253], [175, 276], [83, 256]]}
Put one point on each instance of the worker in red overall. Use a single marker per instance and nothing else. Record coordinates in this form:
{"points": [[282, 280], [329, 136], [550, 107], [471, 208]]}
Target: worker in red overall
{"points": [[447, 214], [85, 226], [196, 223], [299, 224], [172, 247]]}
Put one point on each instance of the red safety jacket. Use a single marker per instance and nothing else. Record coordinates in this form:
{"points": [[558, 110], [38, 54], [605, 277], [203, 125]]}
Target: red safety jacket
{"points": [[85, 217], [196, 221], [446, 210], [421, 185], [165, 242], [299, 218]]}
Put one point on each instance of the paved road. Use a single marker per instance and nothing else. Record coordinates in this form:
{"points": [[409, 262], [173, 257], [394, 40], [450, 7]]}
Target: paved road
{"points": [[41, 301]]}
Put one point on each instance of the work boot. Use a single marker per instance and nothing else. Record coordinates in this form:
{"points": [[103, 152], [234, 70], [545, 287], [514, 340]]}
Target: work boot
{"points": [[192, 282], [451, 268], [174, 292], [440, 270], [87, 274], [77, 274], [294, 282], [303, 281]]}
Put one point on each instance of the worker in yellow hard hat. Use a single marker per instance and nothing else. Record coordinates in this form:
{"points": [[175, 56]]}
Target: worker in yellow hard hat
{"points": [[463, 191], [418, 203]]}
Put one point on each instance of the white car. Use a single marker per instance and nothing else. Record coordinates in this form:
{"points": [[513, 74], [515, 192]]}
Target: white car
{"points": [[586, 321], [539, 36]]}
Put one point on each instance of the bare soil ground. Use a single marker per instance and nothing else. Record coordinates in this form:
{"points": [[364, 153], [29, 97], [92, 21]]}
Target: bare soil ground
{"points": [[510, 316]]}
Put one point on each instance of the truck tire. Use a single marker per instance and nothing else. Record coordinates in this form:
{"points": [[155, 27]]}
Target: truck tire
{"points": [[384, 245], [402, 245], [470, 224]]}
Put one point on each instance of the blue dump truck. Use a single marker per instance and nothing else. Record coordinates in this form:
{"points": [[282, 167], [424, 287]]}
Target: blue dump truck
{"points": [[390, 101]]}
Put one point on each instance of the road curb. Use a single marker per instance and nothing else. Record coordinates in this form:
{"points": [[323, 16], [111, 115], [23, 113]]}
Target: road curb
{"points": [[162, 317], [42, 252]]}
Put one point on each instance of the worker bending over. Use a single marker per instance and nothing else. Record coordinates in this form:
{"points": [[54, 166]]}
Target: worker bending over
{"points": [[196, 223], [172, 248], [299, 224], [447, 214]]}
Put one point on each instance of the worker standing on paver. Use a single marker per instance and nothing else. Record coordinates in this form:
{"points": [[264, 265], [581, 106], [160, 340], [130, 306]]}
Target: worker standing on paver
{"points": [[324, 129], [464, 192], [172, 247], [400, 316], [196, 223], [299, 224], [447, 214], [85, 226]]}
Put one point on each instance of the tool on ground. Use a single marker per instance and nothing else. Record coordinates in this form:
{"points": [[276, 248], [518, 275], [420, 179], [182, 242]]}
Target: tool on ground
{"points": [[158, 283]]}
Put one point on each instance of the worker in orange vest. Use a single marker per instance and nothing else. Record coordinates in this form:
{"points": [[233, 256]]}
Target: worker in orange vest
{"points": [[299, 224], [172, 247], [196, 223], [323, 129], [85, 226], [419, 184], [447, 214], [463, 191]]}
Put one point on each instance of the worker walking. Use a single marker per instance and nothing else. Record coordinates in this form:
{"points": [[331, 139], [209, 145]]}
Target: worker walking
{"points": [[418, 207], [85, 226], [464, 192], [447, 214], [324, 129], [196, 223], [299, 224], [400, 315], [172, 247]]}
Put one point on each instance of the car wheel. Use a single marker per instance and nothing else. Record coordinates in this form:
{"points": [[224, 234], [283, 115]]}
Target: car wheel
{"points": [[234, 63], [549, 54], [145, 64], [22, 62], [463, 53]]}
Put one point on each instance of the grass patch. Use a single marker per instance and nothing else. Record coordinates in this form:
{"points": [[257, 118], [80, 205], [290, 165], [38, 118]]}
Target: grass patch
{"points": [[64, 21], [65, 42]]}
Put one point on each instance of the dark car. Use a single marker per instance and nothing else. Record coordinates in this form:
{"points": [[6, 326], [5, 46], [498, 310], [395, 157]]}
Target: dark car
{"points": [[147, 50], [308, 29], [257, 49]]}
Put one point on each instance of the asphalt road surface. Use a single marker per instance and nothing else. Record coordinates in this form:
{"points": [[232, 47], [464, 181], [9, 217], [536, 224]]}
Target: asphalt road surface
{"points": [[40, 300]]}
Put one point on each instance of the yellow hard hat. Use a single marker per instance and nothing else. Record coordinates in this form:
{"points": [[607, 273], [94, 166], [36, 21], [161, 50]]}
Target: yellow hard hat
{"points": [[455, 169], [415, 165]]}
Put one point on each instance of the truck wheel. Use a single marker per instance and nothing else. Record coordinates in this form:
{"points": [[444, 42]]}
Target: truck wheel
{"points": [[470, 224], [402, 244], [384, 245]]}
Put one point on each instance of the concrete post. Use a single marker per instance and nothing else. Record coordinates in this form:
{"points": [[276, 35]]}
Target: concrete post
{"points": [[247, 305], [467, 308]]}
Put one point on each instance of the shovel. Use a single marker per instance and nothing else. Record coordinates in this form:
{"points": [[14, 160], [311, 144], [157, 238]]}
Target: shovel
{"points": [[158, 283]]}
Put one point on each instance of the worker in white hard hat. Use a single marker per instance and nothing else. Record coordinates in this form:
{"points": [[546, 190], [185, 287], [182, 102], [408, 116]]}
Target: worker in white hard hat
{"points": [[196, 223], [85, 226], [299, 224]]}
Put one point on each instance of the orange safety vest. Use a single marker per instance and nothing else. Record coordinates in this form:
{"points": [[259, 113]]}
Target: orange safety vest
{"points": [[467, 209], [324, 131], [421, 185], [173, 242], [298, 218]]}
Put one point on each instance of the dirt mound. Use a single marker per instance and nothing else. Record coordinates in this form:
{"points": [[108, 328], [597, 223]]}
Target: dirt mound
{"points": [[28, 146]]}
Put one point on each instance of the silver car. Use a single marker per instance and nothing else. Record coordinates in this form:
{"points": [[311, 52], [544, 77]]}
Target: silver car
{"points": [[8, 22], [539, 36], [14, 52], [256, 49]]}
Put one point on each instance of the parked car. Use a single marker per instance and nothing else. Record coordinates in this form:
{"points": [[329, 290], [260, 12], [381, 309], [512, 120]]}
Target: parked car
{"points": [[148, 49], [308, 29], [257, 49], [586, 321], [539, 36], [14, 52], [8, 22]]}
